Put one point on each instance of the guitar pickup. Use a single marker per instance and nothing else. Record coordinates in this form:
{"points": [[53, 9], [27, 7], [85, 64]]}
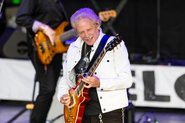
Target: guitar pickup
{"points": [[42, 48]]}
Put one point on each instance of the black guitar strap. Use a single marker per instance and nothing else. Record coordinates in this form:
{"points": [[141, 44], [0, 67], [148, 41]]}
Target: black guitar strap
{"points": [[98, 50]]}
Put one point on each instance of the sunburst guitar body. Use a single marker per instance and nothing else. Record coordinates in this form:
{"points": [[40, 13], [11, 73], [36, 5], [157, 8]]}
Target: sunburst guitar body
{"points": [[79, 97]]}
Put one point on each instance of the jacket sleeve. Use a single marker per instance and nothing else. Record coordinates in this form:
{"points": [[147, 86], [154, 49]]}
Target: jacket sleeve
{"points": [[62, 86], [25, 13]]}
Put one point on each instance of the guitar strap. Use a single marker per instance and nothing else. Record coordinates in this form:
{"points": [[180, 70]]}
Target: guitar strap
{"points": [[98, 50]]}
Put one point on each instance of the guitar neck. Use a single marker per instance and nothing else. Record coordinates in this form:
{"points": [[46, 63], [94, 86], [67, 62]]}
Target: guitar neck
{"points": [[91, 71], [68, 35], [96, 63]]}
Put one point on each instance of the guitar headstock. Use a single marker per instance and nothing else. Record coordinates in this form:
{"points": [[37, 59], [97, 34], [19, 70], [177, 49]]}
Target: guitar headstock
{"points": [[106, 15], [117, 40]]}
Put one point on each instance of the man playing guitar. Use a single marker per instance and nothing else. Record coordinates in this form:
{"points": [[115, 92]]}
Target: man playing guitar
{"points": [[100, 95]]}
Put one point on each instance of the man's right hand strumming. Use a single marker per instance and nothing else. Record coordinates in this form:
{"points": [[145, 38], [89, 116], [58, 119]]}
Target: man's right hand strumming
{"points": [[65, 99]]}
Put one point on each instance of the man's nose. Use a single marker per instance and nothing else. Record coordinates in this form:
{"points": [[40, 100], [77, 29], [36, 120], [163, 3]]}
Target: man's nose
{"points": [[86, 34]]}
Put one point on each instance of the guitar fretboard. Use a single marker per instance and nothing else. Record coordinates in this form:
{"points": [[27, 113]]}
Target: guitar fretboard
{"points": [[91, 71]]}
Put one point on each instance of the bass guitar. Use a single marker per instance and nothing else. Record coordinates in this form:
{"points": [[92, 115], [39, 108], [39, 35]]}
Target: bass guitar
{"points": [[79, 95], [45, 50]]}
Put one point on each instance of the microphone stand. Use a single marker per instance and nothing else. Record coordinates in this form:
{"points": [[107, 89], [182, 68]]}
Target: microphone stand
{"points": [[55, 118], [28, 106], [1, 6], [158, 31]]}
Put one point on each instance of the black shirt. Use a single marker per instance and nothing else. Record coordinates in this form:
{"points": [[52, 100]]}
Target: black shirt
{"points": [[47, 11], [84, 61]]}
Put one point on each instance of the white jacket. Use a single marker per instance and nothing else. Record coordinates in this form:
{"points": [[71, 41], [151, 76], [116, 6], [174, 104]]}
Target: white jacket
{"points": [[113, 71]]}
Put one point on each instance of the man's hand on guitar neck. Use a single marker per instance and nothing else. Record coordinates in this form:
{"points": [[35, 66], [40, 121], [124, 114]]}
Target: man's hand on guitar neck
{"points": [[39, 26], [91, 81]]}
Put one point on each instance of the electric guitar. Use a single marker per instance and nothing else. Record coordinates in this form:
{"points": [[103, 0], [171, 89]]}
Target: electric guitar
{"points": [[45, 50], [79, 95]]}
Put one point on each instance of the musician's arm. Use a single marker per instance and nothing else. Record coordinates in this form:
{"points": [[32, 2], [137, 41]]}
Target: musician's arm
{"points": [[24, 14], [25, 18], [63, 86]]}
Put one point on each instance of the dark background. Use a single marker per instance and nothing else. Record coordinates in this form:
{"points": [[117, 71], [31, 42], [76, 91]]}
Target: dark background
{"points": [[153, 30]]}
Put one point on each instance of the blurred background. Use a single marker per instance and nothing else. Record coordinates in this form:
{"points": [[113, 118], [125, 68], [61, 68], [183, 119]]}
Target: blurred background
{"points": [[154, 33]]}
